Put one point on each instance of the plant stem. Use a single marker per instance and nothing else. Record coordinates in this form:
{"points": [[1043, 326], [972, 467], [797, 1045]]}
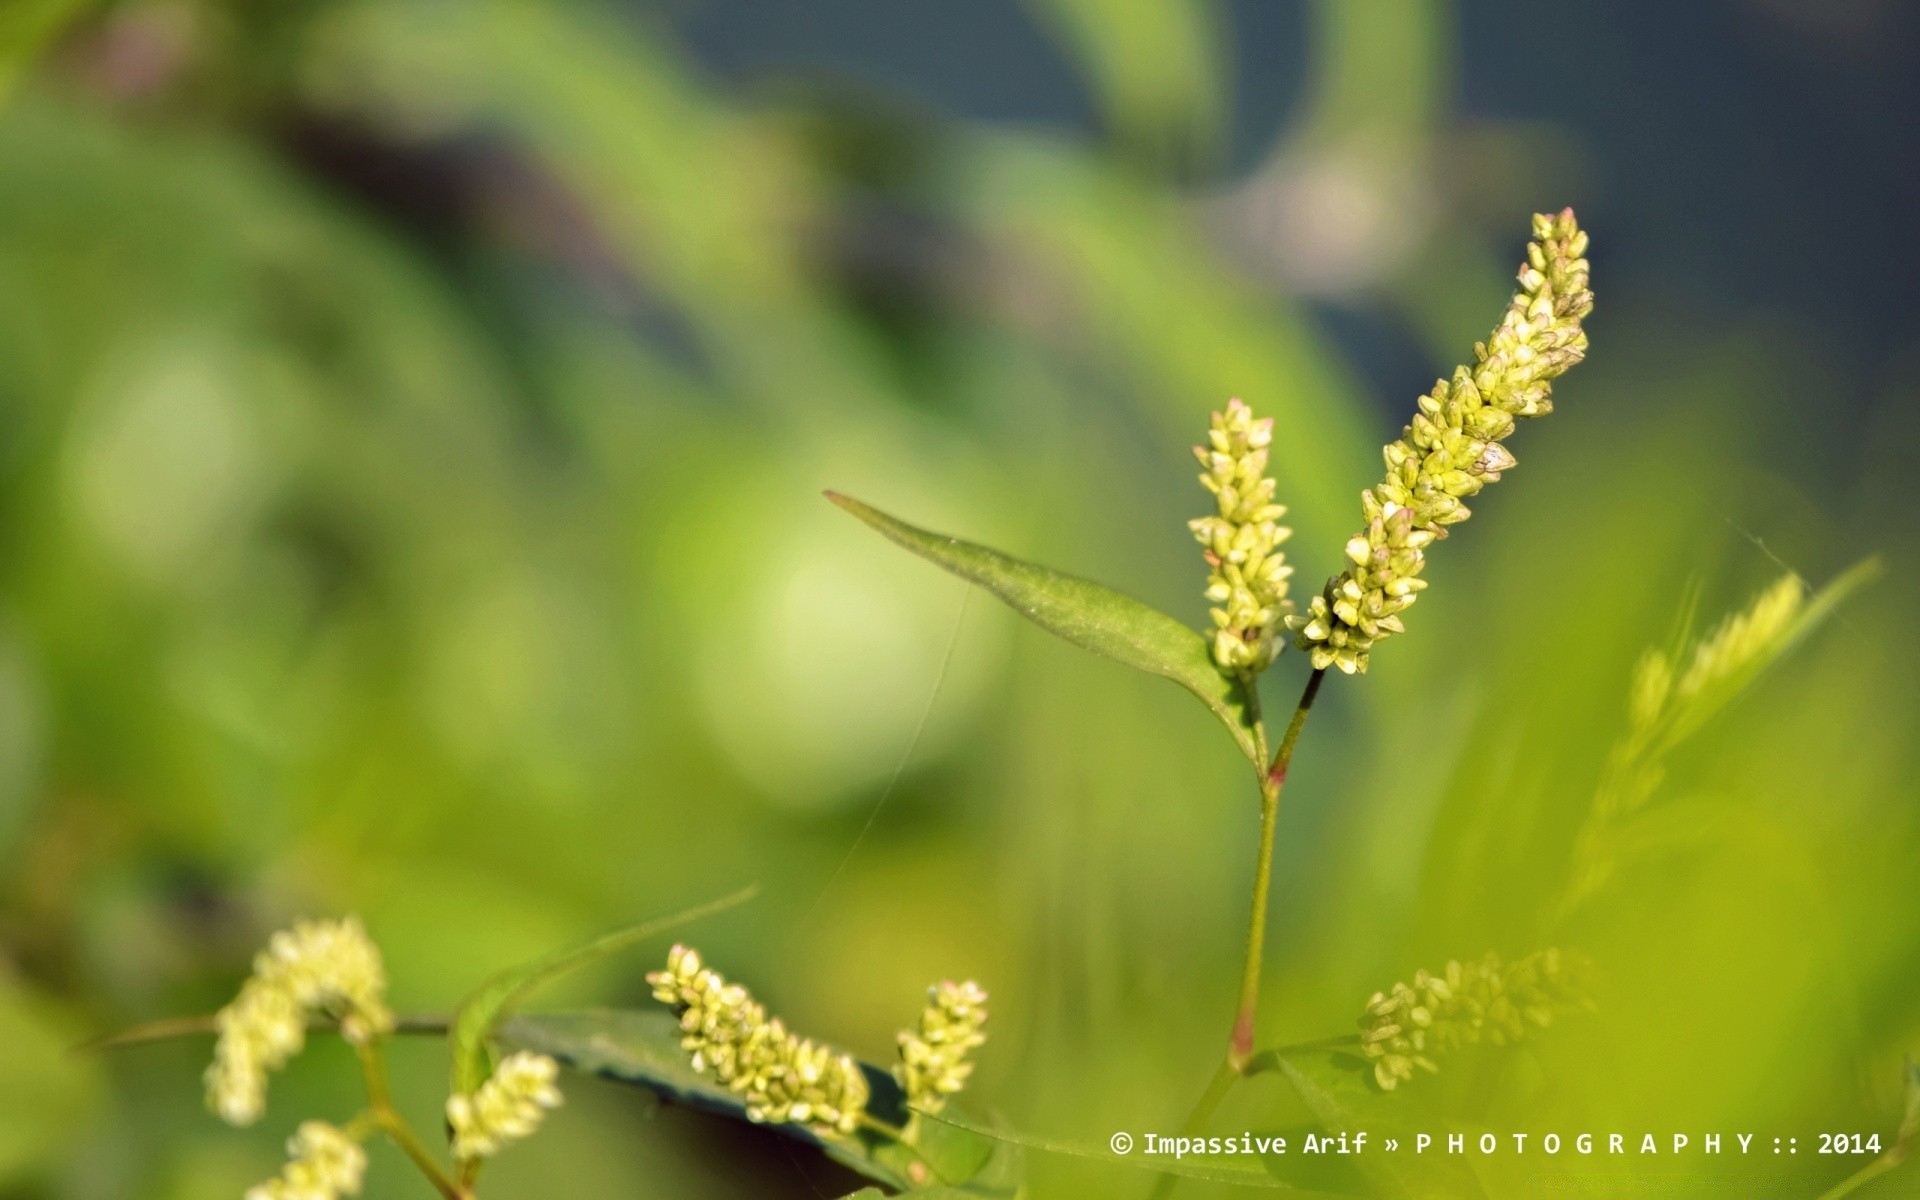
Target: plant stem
{"points": [[1240, 1060], [1240, 1046], [373, 1069], [898, 1136], [154, 1031]]}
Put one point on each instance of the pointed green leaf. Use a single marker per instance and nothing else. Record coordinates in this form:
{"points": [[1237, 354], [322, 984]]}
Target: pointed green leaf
{"points": [[1085, 613], [492, 1000]]}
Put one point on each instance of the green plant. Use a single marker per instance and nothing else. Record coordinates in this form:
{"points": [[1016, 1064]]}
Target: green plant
{"points": [[714, 1046], [1448, 452], [1451, 449]]}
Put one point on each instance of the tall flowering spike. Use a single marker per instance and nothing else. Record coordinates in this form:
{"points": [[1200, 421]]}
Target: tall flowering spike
{"points": [[933, 1058], [509, 1106], [1452, 449], [1248, 583], [779, 1076], [1463, 1005], [323, 1163], [317, 968]]}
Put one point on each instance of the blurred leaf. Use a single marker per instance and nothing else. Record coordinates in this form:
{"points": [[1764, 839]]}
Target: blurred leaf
{"points": [[45, 1089], [483, 1011], [1085, 613], [1335, 1089]]}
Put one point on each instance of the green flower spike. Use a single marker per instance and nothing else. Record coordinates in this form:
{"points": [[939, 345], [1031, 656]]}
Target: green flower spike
{"points": [[1484, 1001], [1248, 584], [1452, 449], [316, 968], [779, 1077], [933, 1058], [509, 1106], [323, 1163]]}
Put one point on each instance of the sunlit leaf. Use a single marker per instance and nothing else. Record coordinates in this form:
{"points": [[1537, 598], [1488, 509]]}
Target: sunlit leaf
{"points": [[483, 1010], [1087, 614]]}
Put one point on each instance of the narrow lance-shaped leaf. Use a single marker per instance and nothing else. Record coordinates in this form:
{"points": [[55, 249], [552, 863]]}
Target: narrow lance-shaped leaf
{"points": [[644, 1049], [1085, 613], [495, 998]]}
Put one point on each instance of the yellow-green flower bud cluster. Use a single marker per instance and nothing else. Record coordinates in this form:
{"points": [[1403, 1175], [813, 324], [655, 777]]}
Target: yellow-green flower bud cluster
{"points": [[325, 968], [780, 1077], [1463, 1005], [1452, 449], [933, 1058], [509, 1106], [323, 1163], [1248, 583]]}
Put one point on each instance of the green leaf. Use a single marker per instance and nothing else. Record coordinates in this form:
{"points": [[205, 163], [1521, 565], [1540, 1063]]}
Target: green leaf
{"points": [[1234, 1169], [1087, 614], [492, 1000], [642, 1048], [1334, 1086]]}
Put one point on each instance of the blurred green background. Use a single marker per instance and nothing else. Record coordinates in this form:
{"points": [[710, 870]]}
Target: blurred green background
{"points": [[415, 418]]}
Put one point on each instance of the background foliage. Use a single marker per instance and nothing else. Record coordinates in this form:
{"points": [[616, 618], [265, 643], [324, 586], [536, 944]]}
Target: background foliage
{"points": [[415, 415]]}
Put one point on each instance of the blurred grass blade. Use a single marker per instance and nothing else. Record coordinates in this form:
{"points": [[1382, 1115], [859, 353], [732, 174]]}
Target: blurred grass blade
{"points": [[483, 1010], [1723, 689], [1085, 613]]}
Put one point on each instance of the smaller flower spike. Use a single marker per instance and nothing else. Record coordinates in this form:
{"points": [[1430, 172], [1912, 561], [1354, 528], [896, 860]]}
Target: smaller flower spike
{"points": [[323, 1163], [1484, 1001], [1248, 583], [780, 1078], [933, 1058], [1452, 450], [328, 968], [509, 1106]]}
